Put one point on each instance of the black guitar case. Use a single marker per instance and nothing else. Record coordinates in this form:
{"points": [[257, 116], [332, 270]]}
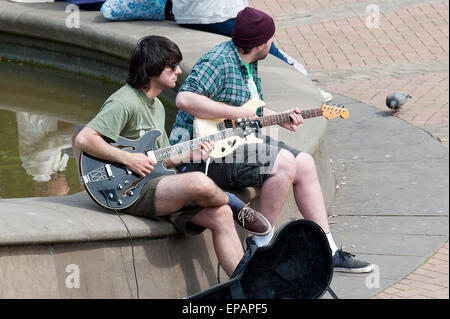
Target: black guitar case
{"points": [[297, 264]]}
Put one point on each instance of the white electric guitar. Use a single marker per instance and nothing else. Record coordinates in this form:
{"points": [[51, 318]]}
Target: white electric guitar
{"points": [[204, 127]]}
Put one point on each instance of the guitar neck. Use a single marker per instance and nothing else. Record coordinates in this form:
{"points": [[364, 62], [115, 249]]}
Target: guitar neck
{"points": [[190, 145], [285, 117]]}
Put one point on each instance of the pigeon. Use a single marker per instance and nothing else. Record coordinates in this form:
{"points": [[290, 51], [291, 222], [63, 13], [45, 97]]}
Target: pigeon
{"points": [[395, 101]]}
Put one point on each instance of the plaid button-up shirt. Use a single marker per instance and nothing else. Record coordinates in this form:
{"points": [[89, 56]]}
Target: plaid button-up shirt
{"points": [[221, 76]]}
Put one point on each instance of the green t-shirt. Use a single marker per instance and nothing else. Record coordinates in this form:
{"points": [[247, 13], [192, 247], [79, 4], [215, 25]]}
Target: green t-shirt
{"points": [[251, 83], [130, 113]]}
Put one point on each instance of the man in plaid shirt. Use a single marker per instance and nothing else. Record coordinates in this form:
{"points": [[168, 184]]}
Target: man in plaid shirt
{"points": [[224, 79], [222, 63]]}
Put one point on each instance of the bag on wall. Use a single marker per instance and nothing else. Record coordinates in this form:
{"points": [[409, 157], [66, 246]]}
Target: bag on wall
{"points": [[134, 9]]}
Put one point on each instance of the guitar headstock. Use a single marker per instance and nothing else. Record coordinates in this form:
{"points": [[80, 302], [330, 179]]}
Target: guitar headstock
{"points": [[332, 111]]}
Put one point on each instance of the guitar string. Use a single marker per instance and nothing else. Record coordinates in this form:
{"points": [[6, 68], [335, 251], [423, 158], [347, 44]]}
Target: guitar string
{"points": [[285, 117], [191, 144], [188, 145]]}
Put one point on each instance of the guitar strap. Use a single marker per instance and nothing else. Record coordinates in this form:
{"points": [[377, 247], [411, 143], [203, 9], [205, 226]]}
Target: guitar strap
{"points": [[331, 292]]}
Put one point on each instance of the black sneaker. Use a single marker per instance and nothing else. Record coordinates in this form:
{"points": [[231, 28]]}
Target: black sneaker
{"points": [[346, 262]]}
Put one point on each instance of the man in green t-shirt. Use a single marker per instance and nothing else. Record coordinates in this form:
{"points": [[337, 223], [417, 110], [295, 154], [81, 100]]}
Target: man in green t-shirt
{"points": [[191, 201]]}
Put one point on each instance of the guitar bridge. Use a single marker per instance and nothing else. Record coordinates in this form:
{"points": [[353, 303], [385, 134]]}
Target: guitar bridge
{"points": [[220, 126], [97, 175]]}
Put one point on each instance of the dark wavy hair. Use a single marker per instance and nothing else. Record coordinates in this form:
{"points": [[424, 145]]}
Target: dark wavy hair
{"points": [[149, 59]]}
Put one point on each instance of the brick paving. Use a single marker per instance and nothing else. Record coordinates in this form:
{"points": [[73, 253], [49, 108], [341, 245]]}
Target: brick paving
{"points": [[429, 281], [408, 52]]}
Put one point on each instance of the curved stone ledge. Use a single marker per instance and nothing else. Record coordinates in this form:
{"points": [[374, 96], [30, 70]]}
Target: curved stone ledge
{"points": [[99, 47], [68, 219]]}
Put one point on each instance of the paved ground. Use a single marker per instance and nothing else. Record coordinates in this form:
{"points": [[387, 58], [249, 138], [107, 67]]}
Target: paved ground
{"points": [[350, 50]]}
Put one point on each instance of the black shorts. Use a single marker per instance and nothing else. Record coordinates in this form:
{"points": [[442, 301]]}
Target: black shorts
{"points": [[249, 165]]}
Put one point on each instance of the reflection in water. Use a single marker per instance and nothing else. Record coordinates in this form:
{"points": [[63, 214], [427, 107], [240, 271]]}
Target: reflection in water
{"points": [[44, 150], [39, 108]]}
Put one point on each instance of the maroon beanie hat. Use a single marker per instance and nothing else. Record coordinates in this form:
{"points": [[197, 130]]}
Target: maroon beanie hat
{"points": [[252, 28]]}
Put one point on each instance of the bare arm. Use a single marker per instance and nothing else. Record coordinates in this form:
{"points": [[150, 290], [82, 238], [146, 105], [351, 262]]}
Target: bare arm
{"points": [[92, 142], [203, 107]]}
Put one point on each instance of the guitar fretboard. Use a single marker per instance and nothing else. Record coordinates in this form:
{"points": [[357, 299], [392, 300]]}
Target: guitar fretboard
{"points": [[190, 145], [285, 117]]}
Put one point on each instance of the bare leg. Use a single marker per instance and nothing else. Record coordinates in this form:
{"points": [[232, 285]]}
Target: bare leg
{"points": [[275, 189], [227, 244], [307, 191], [301, 172], [175, 191]]}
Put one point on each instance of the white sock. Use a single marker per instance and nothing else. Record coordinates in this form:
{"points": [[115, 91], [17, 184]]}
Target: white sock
{"points": [[264, 240], [332, 243]]}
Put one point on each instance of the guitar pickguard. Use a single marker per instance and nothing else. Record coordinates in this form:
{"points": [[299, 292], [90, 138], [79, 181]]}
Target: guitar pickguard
{"points": [[204, 127]]}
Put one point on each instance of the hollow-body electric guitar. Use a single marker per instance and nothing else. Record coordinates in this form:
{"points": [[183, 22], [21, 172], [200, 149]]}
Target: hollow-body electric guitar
{"points": [[203, 127], [114, 186]]}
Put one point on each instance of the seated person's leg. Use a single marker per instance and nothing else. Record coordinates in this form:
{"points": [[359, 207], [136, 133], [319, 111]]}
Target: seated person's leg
{"points": [[224, 28], [225, 238]]}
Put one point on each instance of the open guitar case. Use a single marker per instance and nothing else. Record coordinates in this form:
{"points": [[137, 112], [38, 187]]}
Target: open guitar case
{"points": [[297, 264]]}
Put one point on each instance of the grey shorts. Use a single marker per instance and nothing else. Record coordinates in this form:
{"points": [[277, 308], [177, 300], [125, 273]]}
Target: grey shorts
{"points": [[249, 165], [145, 207]]}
